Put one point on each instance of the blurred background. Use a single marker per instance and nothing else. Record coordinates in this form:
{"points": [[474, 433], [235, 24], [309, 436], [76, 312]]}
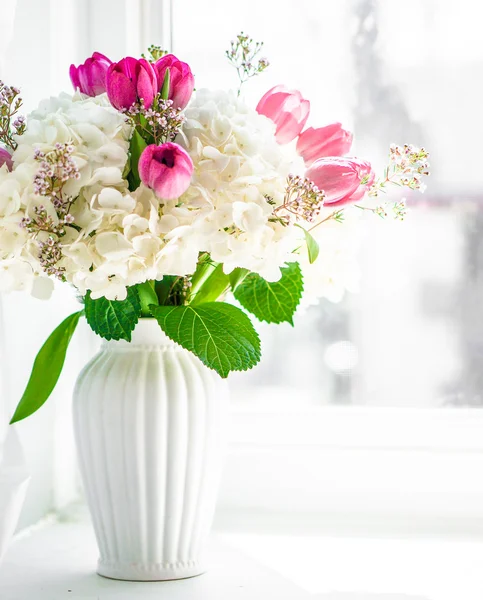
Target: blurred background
{"points": [[387, 381]]}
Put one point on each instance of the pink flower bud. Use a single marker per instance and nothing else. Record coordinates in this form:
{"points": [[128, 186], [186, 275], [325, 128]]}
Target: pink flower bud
{"points": [[90, 77], [342, 179], [166, 169], [181, 80], [129, 80], [331, 140], [287, 109], [6, 159]]}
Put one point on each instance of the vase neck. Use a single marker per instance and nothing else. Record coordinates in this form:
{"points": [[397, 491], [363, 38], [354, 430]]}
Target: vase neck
{"points": [[147, 333]]}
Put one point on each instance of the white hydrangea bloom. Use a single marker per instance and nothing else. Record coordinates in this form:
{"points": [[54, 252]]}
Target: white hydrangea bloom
{"points": [[100, 138], [237, 164]]}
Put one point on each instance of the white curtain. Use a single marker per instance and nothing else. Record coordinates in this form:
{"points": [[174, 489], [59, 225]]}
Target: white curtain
{"points": [[8, 18], [39, 41]]}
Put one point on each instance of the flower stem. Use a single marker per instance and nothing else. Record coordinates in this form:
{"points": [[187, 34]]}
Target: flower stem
{"points": [[147, 296]]}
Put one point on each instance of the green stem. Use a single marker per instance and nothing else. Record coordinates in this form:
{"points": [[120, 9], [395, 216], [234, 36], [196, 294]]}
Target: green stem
{"points": [[209, 285], [203, 271], [237, 276], [147, 296]]}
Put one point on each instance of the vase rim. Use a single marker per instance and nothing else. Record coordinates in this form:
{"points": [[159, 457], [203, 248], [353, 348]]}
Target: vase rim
{"points": [[146, 333]]}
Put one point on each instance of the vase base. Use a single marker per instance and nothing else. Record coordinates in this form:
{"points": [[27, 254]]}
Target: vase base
{"points": [[149, 572]]}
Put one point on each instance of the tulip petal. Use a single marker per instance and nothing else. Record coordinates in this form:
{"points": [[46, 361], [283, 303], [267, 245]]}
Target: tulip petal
{"points": [[120, 89], [166, 169], [90, 77], [129, 80], [331, 140], [101, 57], [263, 101], [147, 83], [288, 129], [287, 109], [74, 77], [181, 79], [6, 159], [340, 178]]}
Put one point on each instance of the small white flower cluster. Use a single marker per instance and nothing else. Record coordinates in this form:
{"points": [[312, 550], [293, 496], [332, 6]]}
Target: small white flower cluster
{"points": [[407, 167], [410, 164]]}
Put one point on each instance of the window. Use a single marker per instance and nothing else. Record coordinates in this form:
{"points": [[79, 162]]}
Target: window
{"points": [[385, 383], [405, 339]]}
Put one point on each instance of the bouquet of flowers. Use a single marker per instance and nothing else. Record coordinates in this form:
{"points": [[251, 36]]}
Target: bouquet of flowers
{"points": [[153, 200]]}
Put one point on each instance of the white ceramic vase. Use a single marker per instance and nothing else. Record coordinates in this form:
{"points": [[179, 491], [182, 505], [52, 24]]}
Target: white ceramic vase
{"points": [[149, 421]]}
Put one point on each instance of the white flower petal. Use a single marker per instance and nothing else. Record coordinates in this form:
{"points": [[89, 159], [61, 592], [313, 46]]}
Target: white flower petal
{"points": [[113, 245]]}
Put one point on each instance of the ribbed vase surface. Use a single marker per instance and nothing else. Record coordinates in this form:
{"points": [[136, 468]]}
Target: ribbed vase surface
{"points": [[149, 421]]}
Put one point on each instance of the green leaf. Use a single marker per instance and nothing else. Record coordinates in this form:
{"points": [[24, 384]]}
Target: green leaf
{"points": [[47, 369], [136, 147], [312, 246], [166, 84], [219, 334], [272, 302], [114, 319]]}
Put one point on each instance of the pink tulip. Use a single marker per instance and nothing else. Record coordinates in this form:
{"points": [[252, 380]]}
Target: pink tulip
{"points": [[342, 179], [90, 77], [6, 159], [331, 140], [166, 169], [129, 80], [181, 80], [287, 109]]}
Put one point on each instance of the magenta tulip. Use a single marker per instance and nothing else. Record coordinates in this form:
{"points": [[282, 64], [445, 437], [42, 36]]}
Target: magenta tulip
{"points": [[181, 80], [331, 140], [287, 109], [342, 179], [6, 159], [129, 81], [166, 169], [90, 77]]}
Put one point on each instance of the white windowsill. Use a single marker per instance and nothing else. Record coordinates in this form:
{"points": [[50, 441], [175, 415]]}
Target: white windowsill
{"points": [[57, 562], [368, 427]]}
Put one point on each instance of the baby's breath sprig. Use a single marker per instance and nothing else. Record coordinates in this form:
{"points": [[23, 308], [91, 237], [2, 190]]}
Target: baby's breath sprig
{"points": [[284, 220], [242, 55], [338, 216], [397, 209], [380, 211], [407, 166], [154, 53], [303, 201], [161, 122], [55, 169], [11, 123]]}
